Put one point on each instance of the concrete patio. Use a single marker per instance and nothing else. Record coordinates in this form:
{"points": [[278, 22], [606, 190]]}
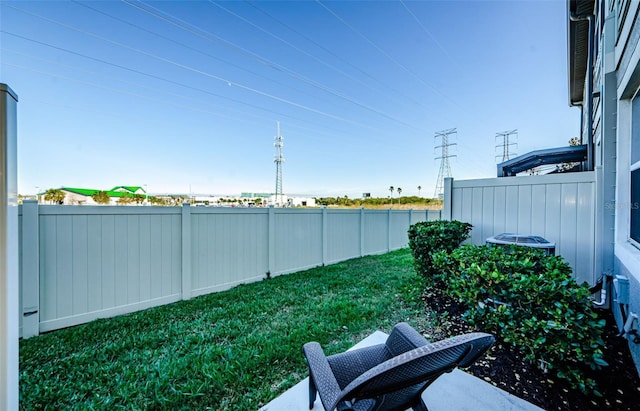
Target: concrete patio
{"points": [[453, 391]]}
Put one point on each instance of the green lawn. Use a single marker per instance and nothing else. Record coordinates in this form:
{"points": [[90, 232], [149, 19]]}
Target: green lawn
{"points": [[230, 350]]}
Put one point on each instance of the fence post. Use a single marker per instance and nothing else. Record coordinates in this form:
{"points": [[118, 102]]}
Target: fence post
{"points": [[325, 240], [271, 246], [186, 251], [30, 243], [448, 199], [410, 222], [388, 229], [362, 231], [9, 264]]}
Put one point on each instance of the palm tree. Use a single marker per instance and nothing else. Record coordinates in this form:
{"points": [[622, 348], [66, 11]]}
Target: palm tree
{"points": [[391, 189], [419, 188], [55, 195], [399, 191], [101, 197]]}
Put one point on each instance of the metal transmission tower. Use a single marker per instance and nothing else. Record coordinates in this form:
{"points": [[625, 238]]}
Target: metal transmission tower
{"points": [[278, 159], [506, 154], [445, 168]]}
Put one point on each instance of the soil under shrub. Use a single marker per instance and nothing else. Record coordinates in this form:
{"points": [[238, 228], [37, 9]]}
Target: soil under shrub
{"points": [[618, 383]]}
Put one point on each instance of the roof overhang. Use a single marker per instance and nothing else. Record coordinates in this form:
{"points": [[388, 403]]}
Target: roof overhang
{"points": [[577, 47], [537, 158]]}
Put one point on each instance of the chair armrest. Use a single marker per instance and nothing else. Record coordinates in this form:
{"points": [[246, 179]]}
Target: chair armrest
{"points": [[425, 363], [322, 375], [404, 338]]}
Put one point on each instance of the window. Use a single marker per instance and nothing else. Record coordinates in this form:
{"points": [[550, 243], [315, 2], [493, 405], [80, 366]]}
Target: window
{"points": [[634, 198], [621, 10], [635, 130], [635, 206]]}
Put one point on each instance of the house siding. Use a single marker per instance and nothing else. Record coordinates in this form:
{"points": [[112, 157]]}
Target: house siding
{"points": [[630, 272], [616, 81], [625, 50]]}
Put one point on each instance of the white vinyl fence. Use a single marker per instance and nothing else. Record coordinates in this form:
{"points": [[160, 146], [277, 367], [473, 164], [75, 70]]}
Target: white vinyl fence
{"points": [[79, 263], [559, 207]]}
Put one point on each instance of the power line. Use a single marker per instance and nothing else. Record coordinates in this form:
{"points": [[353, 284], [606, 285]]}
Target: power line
{"points": [[427, 32], [315, 83], [170, 102], [198, 71], [142, 52], [259, 92], [165, 90], [142, 73], [383, 52], [186, 46], [213, 76], [271, 64], [293, 46], [336, 56]]}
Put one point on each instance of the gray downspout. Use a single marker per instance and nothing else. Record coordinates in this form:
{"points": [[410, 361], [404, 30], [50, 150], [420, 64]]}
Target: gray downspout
{"points": [[589, 18]]}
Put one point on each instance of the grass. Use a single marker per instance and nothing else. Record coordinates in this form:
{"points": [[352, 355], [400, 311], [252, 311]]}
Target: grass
{"points": [[233, 350]]}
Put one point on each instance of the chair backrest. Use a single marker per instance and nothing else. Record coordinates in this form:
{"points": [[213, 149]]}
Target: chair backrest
{"points": [[403, 377], [404, 338]]}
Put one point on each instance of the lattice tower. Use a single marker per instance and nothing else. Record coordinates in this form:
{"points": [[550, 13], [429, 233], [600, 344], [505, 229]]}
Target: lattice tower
{"points": [[445, 167], [506, 143], [278, 159]]}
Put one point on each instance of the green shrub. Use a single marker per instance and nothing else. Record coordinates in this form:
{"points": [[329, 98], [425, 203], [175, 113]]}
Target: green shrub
{"points": [[428, 237], [529, 300]]}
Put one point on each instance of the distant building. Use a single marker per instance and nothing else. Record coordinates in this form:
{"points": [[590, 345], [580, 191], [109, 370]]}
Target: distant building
{"points": [[83, 196], [301, 202]]}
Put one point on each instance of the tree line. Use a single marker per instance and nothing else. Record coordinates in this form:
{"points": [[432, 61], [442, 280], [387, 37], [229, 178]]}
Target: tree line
{"points": [[57, 196], [345, 201]]}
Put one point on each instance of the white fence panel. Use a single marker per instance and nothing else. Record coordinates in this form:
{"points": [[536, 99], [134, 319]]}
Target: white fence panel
{"points": [[424, 215], [376, 229], [228, 247], [343, 235], [298, 240], [399, 222], [103, 261], [433, 215], [558, 207], [79, 263], [419, 215]]}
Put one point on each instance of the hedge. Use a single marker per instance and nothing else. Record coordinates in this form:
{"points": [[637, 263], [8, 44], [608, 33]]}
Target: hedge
{"points": [[428, 237], [530, 301]]}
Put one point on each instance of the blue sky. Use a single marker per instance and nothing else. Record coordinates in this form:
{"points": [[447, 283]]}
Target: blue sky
{"points": [[185, 96]]}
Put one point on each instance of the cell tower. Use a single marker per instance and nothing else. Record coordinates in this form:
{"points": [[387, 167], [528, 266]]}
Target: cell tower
{"points": [[506, 154], [445, 168], [278, 159]]}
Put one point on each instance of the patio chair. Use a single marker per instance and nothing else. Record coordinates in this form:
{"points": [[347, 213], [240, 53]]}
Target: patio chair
{"points": [[389, 376]]}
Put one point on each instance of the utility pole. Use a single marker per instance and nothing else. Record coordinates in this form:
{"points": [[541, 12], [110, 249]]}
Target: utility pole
{"points": [[278, 159], [506, 154], [445, 167]]}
